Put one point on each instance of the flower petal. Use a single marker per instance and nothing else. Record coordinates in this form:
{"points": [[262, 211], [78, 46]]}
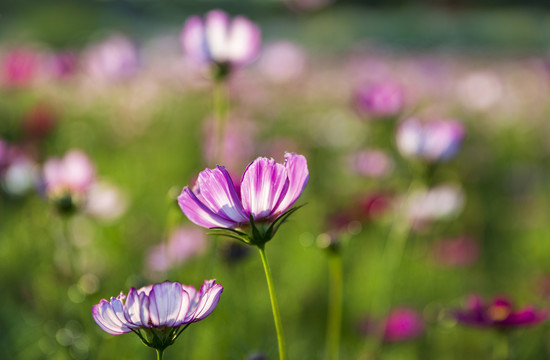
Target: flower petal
{"points": [[198, 212], [167, 302], [263, 186], [216, 27], [105, 315], [244, 41], [298, 176], [219, 194], [193, 39], [209, 298]]}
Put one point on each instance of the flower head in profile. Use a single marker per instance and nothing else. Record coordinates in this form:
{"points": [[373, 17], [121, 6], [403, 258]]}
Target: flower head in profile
{"points": [[267, 192], [435, 140], [157, 313], [499, 314], [221, 41], [68, 180]]}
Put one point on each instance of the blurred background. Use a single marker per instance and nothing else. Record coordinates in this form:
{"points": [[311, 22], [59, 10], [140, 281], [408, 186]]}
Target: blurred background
{"points": [[337, 81]]}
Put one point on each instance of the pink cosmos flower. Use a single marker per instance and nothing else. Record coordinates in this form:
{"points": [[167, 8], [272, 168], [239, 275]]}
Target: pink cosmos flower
{"points": [[20, 67], [371, 163], [500, 314], [67, 180], [267, 192], [434, 140], [157, 313], [115, 58], [403, 324], [382, 99], [221, 41]]}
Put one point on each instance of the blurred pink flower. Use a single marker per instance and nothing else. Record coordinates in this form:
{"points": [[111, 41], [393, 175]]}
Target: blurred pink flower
{"points": [[20, 67], [440, 202], [62, 64], [39, 121], [68, 180], [115, 58], [184, 242], [403, 324], [371, 162], [105, 201], [460, 251], [220, 40], [433, 140], [380, 100], [282, 61]]}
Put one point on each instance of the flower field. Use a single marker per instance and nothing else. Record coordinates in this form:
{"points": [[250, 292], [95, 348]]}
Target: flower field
{"points": [[231, 186]]}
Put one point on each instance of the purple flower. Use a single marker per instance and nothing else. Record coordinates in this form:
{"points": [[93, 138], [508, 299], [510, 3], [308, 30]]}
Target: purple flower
{"points": [[499, 314], [267, 192], [403, 324], [68, 180], [157, 313], [221, 41], [382, 99], [434, 140]]}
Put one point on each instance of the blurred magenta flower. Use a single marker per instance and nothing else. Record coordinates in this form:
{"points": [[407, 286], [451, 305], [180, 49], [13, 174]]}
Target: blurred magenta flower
{"points": [[67, 180], [267, 192], [434, 140], [460, 251], [20, 67], [183, 243], [63, 64], [220, 41], [371, 163], [499, 314], [157, 313], [403, 324], [115, 58], [380, 100]]}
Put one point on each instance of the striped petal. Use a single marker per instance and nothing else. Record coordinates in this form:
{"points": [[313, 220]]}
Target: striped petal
{"points": [[199, 213], [108, 317], [167, 302], [216, 27], [193, 39], [298, 176], [219, 194], [209, 298], [263, 186]]}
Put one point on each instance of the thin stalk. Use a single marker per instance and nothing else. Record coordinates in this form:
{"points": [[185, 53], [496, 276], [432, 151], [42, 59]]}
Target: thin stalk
{"points": [[274, 305], [160, 354], [393, 254], [501, 350], [334, 323], [220, 103]]}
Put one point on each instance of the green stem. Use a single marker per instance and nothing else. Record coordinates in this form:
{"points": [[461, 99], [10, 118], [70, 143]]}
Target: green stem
{"points": [[220, 104], [160, 354], [501, 350], [274, 304], [67, 248], [393, 254], [334, 323]]}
